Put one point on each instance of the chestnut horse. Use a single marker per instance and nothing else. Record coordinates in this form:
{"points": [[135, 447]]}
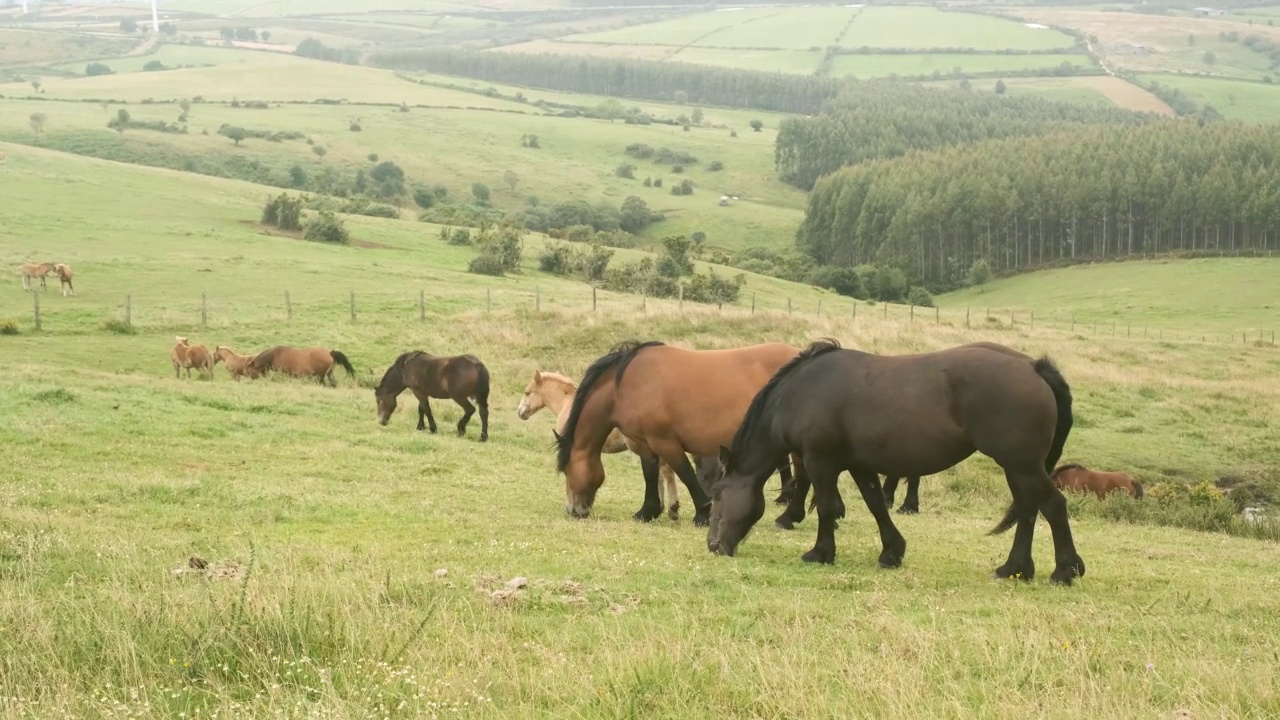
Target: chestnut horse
{"points": [[317, 362], [456, 377], [64, 279], [35, 270], [1081, 479], [906, 415], [238, 365], [669, 402], [185, 355]]}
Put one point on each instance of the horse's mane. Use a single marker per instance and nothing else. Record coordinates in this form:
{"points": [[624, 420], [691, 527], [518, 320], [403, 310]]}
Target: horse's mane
{"points": [[620, 355], [397, 366], [756, 409], [1064, 468], [557, 377]]}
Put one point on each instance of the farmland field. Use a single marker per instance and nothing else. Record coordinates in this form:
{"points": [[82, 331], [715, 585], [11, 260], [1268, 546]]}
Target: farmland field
{"points": [[1094, 89], [29, 47], [926, 28], [871, 66], [324, 531], [1235, 99]]}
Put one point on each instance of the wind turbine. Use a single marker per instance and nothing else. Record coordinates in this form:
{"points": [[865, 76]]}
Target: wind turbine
{"points": [[155, 17]]}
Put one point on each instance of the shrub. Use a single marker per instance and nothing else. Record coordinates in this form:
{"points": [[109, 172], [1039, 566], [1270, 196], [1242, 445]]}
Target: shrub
{"points": [[757, 125], [556, 258], [657, 183], [979, 273], [97, 68], [486, 265], [153, 66], [367, 207], [283, 211], [890, 284], [318, 150], [919, 295], [480, 192], [423, 197], [372, 157], [715, 166], [355, 127], [328, 228], [501, 250], [843, 280], [626, 170], [640, 151], [456, 236], [635, 215], [684, 188], [9, 327], [677, 169]]}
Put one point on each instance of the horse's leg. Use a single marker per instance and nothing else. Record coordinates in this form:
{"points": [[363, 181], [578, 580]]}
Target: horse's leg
{"points": [[823, 474], [652, 507], [670, 493], [893, 545], [890, 488], [467, 411], [1027, 498], [795, 506], [1068, 564], [431, 420], [484, 419], [911, 504], [788, 485], [422, 414], [673, 453]]}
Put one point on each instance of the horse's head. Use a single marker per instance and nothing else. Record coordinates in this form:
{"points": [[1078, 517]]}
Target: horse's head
{"points": [[218, 350], [737, 504], [386, 405], [533, 401], [583, 477]]}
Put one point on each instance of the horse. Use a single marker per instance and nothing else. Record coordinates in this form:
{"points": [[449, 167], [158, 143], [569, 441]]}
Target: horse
{"points": [[555, 391], [317, 362], [238, 365], [185, 355], [64, 278], [456, 377], [1079, 478], [907, 415], [911, 503], [669, 402], [35, 270]]}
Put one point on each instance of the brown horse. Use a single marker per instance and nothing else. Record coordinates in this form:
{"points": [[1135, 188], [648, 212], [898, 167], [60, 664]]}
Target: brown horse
{"points": [[1079, 478], [316, 362], [457, 377], [186, 356], [670, 402], [238, 365], [35, 270], [555, 391], [64, 279], [904, 416]]}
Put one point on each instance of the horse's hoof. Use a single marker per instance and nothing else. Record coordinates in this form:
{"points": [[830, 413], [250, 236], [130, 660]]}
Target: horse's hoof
{"points": [[785, 523], [484, 437], [904, 510], [647, 515], [1064, 575], [701, 519], [889, 560], [820, 555], [1025, 573]]}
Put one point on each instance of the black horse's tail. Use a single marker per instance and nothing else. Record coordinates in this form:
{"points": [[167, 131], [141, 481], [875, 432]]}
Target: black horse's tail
{"points": [[1137, 490], [482, 384], [342, 360], [1045, 368]]}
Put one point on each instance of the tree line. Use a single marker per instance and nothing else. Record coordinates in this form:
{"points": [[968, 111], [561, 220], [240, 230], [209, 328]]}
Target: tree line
{"points": [[867, 121], [1017, 204]]}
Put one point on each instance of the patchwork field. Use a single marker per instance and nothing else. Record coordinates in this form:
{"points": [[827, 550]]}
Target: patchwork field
{"points": [[1105, 89], [872, 66], [1235, 99]]}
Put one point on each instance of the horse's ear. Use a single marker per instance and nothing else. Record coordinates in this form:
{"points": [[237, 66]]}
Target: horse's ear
{"points": [[724, 457], [537, 376]]}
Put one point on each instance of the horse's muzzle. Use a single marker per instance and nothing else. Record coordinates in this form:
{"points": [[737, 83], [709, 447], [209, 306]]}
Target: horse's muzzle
{"points": [[577, 510]]}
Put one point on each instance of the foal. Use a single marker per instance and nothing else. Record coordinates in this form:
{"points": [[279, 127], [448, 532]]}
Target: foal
{"points": [[1077, 477], [238, 365], [186, 355]]}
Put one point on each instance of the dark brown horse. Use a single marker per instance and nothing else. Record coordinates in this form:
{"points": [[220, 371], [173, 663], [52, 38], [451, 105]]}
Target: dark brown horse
{"points": [[1081, 479], [458, 378], [670, 402], [317, 362], [909, 415], [911, 503]]}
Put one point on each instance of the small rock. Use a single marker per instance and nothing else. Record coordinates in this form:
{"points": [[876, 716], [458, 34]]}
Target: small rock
{"points": [[442, 572], [197, 562], [617, 609], [502, 597], [517, 582]]}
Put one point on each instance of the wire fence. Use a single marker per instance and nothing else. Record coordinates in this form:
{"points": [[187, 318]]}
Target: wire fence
{"points": [[150, 312]]}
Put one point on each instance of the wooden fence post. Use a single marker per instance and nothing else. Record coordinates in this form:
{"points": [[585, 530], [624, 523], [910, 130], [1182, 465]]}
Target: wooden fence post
{"points": [[913, 312], [886, 310], [1129, 331], [204, 310], [1033, 318], [128, 309], [966, 317], [788, 306], [288, 307], [1012, 321], [680, 289], [422, 304], [488, 299], [644, 300], [537, 298], [937, 315], [753, 303], [593, 298], [1073, 322], [819, 307], [36, 296], [353, 306], [855, 309]]}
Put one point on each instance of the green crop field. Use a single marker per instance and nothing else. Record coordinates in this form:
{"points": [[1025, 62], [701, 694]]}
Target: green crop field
{"points": [[790, 61], [1235, 99], [921, 27], [30, 47], [325, 532], [871, 66]]}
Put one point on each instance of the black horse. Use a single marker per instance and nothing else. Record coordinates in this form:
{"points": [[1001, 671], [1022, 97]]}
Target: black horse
{"points": [[911, 503], [903, 416]]}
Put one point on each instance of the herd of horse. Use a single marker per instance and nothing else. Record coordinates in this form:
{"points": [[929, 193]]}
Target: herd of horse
{"points": [[40, 271]]}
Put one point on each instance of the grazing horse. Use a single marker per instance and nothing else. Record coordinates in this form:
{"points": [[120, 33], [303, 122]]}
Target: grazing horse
{"points": [[64, 279], [555, 391], [238, 365], [185, 355], [1081, 479], [908, 415], [456, 377], [35, 270], [911, 503], [317, 362], [669, 402]]}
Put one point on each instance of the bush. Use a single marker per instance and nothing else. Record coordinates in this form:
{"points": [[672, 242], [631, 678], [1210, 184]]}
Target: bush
{"points": [[97, 68], [677, 169], [626, 170], [919, 295], [373, 157], [635, 215], [501, 250], [843, 280], [367, 207], [455, 236], [684, 188], [486, 265], [153, 66], [424, 197], [355, 127], [890, 284], [715, 166], [556, 258], [639, 151], [480, 192], [757, 125], [283, 211], [9, 327], [979, 273], [328, 228]]}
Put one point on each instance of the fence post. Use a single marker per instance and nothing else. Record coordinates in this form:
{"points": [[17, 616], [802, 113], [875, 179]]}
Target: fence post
{"points": [[537, 298], [593, 298], [288, 307], [1113, 327], [1073, 322], [1033, 318], [819, 307], [753, 303], [913, 312], [1129, 331], [680, 289], [788, 306], [855, 309], [128, 309], [353, 306], [966, 317], [422, 304], [36, 295], [204, 310], [937, 315], [1012, 321], [488, 299], [644, 300], [886, 310]]}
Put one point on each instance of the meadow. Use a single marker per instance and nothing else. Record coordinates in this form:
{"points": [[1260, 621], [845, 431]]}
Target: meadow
{"points": [[873, 66], [358, 570], [1235, 99]]}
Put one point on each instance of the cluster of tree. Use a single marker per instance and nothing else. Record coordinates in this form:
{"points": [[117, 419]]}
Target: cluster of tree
{"points": [[96, 68], [243, 33], [237, 134], [1180, 102], [500, 250], [623, 77], [633, 217], [883, 120], [285, 212], [1023, 203], [672, 274], [865, 282], [124, 121], [313, 48], [587, 262]]}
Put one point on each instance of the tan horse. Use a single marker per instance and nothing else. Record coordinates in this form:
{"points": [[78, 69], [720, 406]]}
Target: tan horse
{"points": [[64, 279], [35, 270], [238, 365], [316, 362], [555, 391], [670, 402], [186, 356], [1081, 479]]}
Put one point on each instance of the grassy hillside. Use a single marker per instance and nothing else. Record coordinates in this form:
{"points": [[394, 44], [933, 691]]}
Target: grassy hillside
{"points": [[325, 531]]}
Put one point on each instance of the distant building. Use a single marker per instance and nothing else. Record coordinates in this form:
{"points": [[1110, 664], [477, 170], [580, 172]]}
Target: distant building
{"points": [[1209, 12]]}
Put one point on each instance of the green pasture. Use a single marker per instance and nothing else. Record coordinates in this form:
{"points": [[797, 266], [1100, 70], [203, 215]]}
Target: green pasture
{"points": [[1235, 99], [326, 534], [922, 27], [1059, 89], [693, 29], [174, 55], [802, 62], [33, 47], [871, 66], [281, 8]]}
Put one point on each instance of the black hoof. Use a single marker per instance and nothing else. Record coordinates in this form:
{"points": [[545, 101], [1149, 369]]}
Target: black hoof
{"points": [[673, 512], [785, 523], [904, 510], [1064, 575], [484, 437], [646, 514], [817, 555], [702, 519], [433, 430], [783, 499], [1025, 573]]}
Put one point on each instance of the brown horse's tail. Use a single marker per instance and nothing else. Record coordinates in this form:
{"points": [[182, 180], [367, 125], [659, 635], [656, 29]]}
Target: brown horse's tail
{"points": [[1137, 490], [342, 360], [482, 384], [1048, 372]]}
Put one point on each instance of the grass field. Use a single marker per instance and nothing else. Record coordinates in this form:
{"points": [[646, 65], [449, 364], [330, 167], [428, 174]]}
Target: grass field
{"points": [[325, 531], [1106, 89], [872, 66], [1235, 99], [32, 47], [920, 27]]}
